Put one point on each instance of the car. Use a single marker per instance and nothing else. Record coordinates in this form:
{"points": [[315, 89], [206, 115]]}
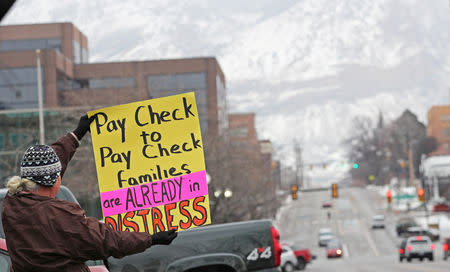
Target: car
{"points": [[5, 261], [403, 224], [401, 251], [325, 235], [378, 221], [418, 247], [303, 255], [441, 207], [415, 231], [327, 204], [334, 249], [445, 248], [288, 259]]}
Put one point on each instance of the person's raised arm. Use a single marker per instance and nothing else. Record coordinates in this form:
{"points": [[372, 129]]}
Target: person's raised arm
{"points": [[66, 145]]}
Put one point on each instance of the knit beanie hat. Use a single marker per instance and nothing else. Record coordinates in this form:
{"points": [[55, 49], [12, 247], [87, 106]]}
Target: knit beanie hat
{"points": [[41, 165]]}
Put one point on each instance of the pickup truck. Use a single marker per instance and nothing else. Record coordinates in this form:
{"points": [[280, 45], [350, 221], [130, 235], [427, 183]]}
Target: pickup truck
{"points": [[303, 255], [233, 247], [241, 246]]}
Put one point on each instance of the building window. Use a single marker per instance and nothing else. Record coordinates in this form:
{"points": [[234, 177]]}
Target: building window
{"points": [[65, 83], [18, 88], [111, 82], [239, 132], [173, 84], [26, 45], [84, 55], [177, 81], [446, 132], [76, 52]]}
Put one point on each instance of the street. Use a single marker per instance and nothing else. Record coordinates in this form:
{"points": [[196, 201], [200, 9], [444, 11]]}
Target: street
{"points": [[364, 249]]}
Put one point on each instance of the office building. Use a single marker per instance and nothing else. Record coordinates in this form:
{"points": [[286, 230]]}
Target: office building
{"points": [[69, 80]]}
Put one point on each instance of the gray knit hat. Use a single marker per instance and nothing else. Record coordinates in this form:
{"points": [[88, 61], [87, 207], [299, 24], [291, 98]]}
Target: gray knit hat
{"points": [[41, 165]]}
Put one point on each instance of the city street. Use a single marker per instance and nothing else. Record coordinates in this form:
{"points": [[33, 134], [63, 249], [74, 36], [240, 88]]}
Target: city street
{"points": [[364, 249]]}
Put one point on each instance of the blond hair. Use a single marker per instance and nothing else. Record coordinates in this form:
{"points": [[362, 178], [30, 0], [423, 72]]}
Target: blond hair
{"points": [[17, 184]]}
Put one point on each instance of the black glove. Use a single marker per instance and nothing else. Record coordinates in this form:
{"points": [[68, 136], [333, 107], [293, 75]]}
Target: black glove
{"points": [[164, 237], [83, 126]]}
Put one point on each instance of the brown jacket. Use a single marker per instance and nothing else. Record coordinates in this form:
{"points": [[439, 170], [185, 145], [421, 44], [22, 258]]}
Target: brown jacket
{"points": [[46, 234]]}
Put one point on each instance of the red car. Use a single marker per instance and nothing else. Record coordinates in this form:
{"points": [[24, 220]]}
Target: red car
{"points": [[441, 207], [5, 261], [445, 248], [303, 255], [326, 204], [334, 249]]}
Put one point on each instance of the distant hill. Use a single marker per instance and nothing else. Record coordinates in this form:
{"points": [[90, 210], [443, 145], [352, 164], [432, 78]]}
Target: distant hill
{"points": [[305, 67]]}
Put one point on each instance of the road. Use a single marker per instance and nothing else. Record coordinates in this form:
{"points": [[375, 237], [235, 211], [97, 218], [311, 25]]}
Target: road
{"points": [[364, 249]]}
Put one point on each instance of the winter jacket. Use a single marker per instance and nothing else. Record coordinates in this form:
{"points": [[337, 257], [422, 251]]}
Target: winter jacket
{"points": [[47, 234]]}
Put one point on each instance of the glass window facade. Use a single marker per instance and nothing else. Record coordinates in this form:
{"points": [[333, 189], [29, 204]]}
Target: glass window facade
{"points": [[172, 84], [221, 105], [18, 88], [2, 141], [25, 45], [18, 139]]}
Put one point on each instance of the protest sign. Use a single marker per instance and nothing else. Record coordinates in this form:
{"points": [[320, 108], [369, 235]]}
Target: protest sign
{"points": [[150, 165]]}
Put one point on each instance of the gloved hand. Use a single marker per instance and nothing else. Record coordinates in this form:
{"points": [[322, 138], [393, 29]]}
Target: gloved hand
{"points": [[164, 237], [83, 126]]}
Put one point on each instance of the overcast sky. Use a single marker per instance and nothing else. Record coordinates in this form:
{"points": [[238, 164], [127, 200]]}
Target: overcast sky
{"points": [[306, 67]]}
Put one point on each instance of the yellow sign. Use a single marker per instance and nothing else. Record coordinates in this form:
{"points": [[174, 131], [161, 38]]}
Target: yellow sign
{"points": [[150, 165]]}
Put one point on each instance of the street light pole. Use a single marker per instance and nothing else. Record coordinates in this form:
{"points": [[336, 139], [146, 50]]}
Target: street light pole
{"points": [[40, 99]]}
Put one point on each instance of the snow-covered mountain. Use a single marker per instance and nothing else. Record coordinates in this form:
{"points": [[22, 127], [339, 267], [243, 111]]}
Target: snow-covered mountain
{"points": [[306, 67]]}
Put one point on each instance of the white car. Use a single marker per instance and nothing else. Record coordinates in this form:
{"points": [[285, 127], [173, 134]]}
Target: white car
{"points": [[378, 221], [288, 259], [325, 235], [418, 247]]}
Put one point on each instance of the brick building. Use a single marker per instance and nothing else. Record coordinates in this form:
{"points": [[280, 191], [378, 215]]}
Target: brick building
{"points": [[439, 127], [242, 129], [243, 137], [69, 80]]}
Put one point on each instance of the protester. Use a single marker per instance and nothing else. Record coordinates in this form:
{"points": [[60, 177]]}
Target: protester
{"points": [[48, 234]]}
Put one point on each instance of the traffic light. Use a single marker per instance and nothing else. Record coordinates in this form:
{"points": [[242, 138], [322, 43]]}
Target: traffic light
{"points": [[389, 196], [402, 164], [294, 189], [324, 166], [355, 165], [421, 194], [334, 190]]}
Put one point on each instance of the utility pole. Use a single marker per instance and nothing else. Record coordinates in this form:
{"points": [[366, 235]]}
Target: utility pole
{"points": [[40, 99], [410, 166], [298, 164]]}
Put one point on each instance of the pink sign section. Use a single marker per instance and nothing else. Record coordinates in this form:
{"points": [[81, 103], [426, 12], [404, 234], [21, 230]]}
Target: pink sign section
{"points": [[155, 193]]}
